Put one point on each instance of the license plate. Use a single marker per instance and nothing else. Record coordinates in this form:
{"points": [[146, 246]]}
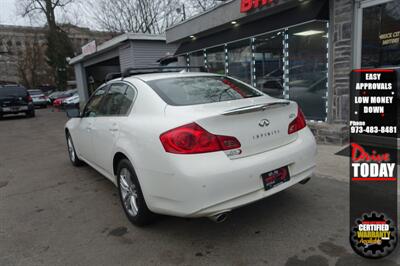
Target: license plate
{"points": [[15, 108], [275, 178]]}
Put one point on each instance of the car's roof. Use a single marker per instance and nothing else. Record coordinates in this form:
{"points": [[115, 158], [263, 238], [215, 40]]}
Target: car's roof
{"points": [[155, 76]]}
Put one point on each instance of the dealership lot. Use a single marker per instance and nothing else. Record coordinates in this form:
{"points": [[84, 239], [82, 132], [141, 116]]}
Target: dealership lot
{"points": [[54, 214]]}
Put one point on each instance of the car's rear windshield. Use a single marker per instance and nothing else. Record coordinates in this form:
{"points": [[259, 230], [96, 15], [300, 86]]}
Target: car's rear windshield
{"points": [[201, 90], [12, 91]]}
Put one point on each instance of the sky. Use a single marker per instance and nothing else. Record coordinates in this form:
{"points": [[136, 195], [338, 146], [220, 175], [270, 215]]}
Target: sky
{"points": [[8, 14]]}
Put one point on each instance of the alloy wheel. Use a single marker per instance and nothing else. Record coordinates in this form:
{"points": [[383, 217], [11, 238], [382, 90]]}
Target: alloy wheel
{"points": [[129, 192], [71, 149]]}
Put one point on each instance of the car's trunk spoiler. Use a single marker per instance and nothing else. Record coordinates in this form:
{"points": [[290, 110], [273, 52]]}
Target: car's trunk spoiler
{"points": [[255, 108]]}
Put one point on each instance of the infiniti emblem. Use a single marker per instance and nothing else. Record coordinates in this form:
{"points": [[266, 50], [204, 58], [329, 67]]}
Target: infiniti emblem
{"points": [[264, 123]]}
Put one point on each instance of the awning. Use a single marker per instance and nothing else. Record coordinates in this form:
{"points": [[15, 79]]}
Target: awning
{"points": [[314, 10]]}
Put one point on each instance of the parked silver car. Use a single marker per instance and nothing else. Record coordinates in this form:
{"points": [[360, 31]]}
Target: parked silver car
{"points": [[39, 99]]}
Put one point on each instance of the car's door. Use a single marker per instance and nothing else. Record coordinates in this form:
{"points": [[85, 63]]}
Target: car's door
{"points": [[115, 108], [84, 141]]}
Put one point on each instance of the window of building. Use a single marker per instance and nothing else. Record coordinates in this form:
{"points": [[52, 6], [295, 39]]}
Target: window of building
{"points": [[290, 63], [216, 60], [381, 36], [268, 56], [239, 60], [196, 58], [308, 67]]}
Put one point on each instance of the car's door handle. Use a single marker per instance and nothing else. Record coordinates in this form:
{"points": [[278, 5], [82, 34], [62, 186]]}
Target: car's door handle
{"points": [[89, 127], [114, 128]]}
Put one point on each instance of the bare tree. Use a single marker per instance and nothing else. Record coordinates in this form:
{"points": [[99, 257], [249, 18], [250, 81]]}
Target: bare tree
{"points": [[31, 64], [202, 5], [46, 8], [144, 16], [59, 46]]}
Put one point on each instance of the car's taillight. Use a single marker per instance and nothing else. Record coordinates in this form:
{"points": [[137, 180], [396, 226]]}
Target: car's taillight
{"points": [[193, 139], [29, 98], [298, 124]]}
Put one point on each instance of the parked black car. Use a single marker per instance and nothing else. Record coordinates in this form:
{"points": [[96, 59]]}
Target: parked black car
{"points": [[15, 99]]}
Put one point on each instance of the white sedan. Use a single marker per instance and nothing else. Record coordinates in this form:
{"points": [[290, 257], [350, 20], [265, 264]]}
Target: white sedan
{"points": [[190, 144]]}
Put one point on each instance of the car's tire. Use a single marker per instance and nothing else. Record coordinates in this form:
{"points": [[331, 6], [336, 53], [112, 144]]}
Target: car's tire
{"points": [[131, 195], [73, 157], [30, 113]]}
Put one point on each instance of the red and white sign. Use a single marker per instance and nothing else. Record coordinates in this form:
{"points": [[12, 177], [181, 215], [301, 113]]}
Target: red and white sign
{"points": [[248, 5], [89, 48], [371, 166]]}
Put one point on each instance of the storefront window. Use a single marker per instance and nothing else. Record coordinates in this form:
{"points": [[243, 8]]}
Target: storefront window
{"points": [[269, 64], [239, 60], [290, 64], [307, 48], [216, 60], [196, 58], [381, 36]]}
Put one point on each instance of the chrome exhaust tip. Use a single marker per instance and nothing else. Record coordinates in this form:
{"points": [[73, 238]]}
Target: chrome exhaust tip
{"points": [[305, 181], [220, 217]]}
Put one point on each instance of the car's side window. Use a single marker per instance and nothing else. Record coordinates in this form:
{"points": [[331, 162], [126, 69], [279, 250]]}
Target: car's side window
{"points": [[127, 100], [112, 101], [118, 100], [92, 108]]}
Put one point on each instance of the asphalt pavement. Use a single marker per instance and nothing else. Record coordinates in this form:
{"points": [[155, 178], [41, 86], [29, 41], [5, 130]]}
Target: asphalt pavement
{"points": [[52, 213]]}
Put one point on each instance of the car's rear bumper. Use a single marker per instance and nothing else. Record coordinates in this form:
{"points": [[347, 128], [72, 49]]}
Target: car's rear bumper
{"points": [[256, 195], [40, 103], [10, 110], [207, 184]]}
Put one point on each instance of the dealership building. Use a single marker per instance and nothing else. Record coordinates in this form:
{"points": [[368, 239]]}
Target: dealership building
{"points": [[301, 50]]}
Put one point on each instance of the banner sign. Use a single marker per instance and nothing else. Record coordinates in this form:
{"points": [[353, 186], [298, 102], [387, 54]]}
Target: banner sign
{"points": [[374, 125], [89, 48], [248, 5]]}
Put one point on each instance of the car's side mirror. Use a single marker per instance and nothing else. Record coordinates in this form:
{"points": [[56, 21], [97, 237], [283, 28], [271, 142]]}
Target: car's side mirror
{"points": [[73, 112]]}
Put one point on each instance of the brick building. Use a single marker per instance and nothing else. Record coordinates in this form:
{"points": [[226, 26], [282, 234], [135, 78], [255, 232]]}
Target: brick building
{"points": [[22, 51]]}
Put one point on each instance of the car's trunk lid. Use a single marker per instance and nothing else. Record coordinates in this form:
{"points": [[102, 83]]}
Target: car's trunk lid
{"points": [[260, 124]]}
